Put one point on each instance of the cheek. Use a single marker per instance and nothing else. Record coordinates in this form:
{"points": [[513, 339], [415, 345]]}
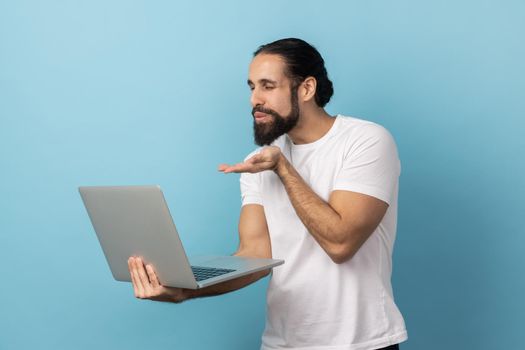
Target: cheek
{"points": [[282, 105]]}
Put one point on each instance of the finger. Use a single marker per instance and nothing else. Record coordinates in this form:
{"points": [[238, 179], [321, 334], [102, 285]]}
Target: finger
{"points": [[222, 167], [144, 277], [152, 276], [233, 168], [255, 166], [260, 162], [239, 168], [136, 277], [133, 282]]}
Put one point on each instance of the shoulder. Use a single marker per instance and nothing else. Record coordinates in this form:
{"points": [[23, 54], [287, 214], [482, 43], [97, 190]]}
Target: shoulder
{"points": [[360, 128], [361, 135], [357, 132]]}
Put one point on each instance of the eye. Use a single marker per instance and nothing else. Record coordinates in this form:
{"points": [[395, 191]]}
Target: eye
{"points": [[268, 87]]}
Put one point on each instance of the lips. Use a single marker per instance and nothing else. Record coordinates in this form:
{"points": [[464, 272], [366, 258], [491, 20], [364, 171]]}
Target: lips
{"points": [[259, 115]]}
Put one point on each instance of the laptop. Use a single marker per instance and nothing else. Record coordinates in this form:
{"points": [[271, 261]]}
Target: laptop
{"points": [[135, 221]]}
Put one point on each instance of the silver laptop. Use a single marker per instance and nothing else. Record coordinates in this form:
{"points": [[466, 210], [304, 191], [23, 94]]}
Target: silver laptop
{"points": [[135, 221]]}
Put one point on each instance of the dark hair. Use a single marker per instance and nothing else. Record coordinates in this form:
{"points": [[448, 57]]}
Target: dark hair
{"points": [[302, 61]]}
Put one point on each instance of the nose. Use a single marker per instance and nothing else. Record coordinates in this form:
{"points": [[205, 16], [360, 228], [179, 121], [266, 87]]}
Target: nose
{"points": [[255, 98]]}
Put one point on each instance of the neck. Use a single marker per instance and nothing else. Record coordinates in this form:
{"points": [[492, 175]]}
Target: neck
{"points": [[312, 125]]}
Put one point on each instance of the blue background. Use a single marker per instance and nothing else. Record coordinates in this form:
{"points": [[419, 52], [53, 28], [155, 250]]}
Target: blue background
{"points": [[146, 92]]}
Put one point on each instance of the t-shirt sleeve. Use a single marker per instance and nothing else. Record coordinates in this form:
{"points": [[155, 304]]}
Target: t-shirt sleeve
{"points": [[251, 187], [371, 164]]}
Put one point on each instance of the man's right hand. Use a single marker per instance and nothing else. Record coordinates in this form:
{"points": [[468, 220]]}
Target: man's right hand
{"points": [[146, 285], [254, 241]]}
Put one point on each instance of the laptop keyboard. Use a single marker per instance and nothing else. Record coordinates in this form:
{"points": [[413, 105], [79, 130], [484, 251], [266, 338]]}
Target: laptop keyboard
{"points": [[203, 273]]}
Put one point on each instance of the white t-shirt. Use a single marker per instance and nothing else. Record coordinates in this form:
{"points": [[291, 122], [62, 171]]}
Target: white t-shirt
{"points": [[313, 303]]}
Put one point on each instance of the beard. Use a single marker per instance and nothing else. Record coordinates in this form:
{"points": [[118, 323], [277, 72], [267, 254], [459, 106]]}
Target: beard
{"points": [[266, 133]]}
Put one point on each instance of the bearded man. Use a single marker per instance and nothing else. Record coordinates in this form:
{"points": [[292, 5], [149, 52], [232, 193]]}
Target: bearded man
{"points": [[321, 193]]}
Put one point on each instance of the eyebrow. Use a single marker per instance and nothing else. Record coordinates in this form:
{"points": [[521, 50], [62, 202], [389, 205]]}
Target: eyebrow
{"points": [[263, 81]]}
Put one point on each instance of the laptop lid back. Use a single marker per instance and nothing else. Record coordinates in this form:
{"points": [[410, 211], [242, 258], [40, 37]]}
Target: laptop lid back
{"points": [[135, 221]]}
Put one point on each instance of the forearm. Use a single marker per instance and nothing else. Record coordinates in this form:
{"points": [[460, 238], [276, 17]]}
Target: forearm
{"points": [[340, 226], [146, 284], [254, 242], [225, 287], [321, 220], [234, 284]]}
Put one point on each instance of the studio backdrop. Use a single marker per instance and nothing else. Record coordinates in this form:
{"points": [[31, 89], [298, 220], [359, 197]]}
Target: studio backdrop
{"points": [[154, 92]]}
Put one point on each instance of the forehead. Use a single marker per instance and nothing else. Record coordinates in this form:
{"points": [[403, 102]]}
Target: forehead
{"points": [[267, 67]]}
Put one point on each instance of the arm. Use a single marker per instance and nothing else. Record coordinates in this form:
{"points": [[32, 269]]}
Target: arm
{"points": [[254, 241], [340, 226]]}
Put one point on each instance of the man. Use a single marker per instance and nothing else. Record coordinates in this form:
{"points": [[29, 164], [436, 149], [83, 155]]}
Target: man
{"points": [[322, 195]]}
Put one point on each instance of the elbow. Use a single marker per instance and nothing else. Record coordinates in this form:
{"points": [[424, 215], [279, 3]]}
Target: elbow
{"points": [[340, 259], [340, 253], [348, 244]]}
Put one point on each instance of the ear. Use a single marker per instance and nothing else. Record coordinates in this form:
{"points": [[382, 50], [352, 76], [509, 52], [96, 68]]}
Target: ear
{"points": [[307, 89]]}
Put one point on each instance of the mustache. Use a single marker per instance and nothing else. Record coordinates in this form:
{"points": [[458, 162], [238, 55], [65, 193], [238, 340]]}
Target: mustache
{"points": [[264, 110]]}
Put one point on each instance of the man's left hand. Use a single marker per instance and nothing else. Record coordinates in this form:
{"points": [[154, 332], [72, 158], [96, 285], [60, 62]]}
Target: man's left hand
{"points": [[269, 158]]}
